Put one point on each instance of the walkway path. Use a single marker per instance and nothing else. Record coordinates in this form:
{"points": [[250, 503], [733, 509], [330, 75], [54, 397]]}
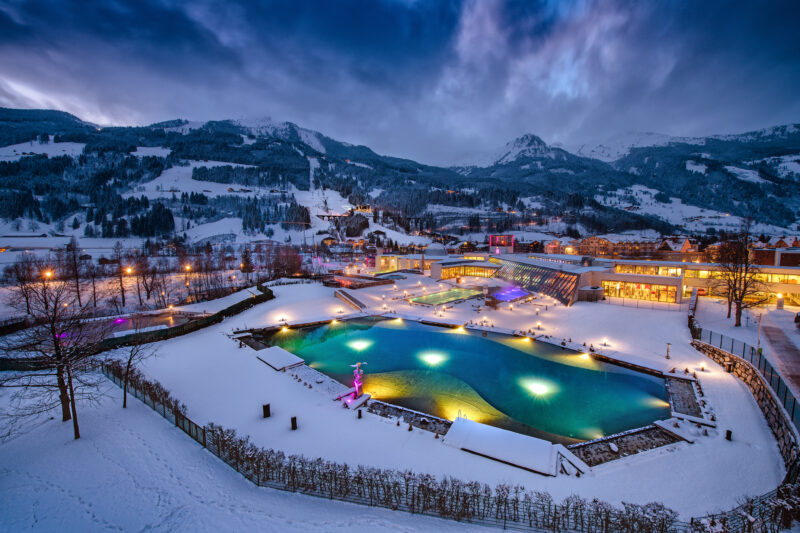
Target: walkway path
{"points": [[786, 354]]}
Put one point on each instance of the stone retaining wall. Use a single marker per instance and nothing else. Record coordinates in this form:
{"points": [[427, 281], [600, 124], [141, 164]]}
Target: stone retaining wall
{"points": [[777, 418]]}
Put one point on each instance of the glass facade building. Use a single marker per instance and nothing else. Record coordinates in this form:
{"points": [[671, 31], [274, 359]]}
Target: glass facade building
{"points": [[648, 270], [555, 283], [640, 291]]}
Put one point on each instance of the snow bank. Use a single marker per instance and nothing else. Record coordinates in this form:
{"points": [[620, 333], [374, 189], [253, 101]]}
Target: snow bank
{"points": [[132, 471]]}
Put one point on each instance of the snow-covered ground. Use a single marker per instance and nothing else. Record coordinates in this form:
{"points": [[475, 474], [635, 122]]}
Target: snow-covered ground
{"points": [[694, 166], [225, 384], [712, 315], [691, 217], [746, 174], [178, 179], [787, 165], [133, 471], [15, 151]]}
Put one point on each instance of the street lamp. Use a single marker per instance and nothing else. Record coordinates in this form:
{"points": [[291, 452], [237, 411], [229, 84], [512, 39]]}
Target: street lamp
{"points": [[129, 270]]}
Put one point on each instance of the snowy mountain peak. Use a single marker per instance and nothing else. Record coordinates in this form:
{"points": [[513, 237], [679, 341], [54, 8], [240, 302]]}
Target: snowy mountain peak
{"points": [[528, 145], [267, 127]]}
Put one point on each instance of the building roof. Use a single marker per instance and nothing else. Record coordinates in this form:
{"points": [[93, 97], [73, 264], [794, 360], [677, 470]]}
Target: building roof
{"points": [[436, 249]]}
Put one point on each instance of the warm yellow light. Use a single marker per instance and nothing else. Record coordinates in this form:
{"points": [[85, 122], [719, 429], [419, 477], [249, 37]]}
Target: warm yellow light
{"points": [[129, 270], [48, 274], [334, 321], [66, 304], [605, 341], [284, 328], [780, 296], [170, 306], [188, 268], [584, 356], [527, 339]]}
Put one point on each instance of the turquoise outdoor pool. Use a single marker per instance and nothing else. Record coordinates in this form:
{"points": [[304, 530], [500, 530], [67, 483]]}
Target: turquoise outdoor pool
{"points": [[530, 387]]}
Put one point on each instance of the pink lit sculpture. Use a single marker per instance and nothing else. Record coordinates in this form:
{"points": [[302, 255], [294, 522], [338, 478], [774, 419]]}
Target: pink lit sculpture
{"points": [[357, 378]]}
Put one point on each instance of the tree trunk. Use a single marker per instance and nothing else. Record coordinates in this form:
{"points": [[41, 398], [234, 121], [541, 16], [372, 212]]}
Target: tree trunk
{"points": [[63, 395], [139, 290], [75, 428], [94, 292], [125, 385], [78, 287], [738, 315], [730, 304], [121, 287]]}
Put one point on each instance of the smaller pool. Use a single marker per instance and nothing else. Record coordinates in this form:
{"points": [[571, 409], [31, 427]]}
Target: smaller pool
{"points": [[443, 297], [510, 294]]}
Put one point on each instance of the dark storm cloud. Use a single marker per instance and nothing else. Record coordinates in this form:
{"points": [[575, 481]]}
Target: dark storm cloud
{"points": [[436, 81]]}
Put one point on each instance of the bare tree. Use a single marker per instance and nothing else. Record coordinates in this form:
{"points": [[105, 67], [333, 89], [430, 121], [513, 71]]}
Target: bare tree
{"points": [[21, 274], [93, 272], [73, 266], [132, 355], [60, 349], [739, 275], [118, 256]]}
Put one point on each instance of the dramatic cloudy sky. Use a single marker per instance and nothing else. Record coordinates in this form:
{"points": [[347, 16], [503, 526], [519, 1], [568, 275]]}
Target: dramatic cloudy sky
{"points": [[435, 81]]}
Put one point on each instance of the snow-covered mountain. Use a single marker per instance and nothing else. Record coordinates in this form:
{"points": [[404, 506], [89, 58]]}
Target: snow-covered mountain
{"points": [[620, 145], [287, 131]]}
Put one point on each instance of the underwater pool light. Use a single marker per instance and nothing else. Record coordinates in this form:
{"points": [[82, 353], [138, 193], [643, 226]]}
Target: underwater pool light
{"points": [[359, 345], [432, 358]]}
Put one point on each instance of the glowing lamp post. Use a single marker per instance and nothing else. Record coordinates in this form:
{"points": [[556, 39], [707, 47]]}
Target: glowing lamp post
{"points": [[129, 271], [605, 341], [539, 325]]}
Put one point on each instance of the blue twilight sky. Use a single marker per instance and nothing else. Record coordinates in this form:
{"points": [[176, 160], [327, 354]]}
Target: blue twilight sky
{"points": [[435, 81]]}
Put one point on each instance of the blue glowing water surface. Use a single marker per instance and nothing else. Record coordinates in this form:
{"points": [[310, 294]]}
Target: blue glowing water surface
{"points": [[531, 387]]}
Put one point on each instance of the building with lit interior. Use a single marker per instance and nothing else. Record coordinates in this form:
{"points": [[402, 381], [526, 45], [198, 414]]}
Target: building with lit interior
{"points": [[570, 278]]}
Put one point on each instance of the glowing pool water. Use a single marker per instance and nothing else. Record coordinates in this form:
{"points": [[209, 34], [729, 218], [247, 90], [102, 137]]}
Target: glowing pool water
{"points": [[510, 294], [530, 387]]}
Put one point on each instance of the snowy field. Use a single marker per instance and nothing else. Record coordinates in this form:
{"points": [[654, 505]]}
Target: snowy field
{"points": [[15, 151], [133, 471], [227, 385], [178, 179], [692, 218]]}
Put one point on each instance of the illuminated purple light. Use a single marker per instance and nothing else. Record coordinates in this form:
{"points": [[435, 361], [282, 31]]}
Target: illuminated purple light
{"points": [[119, 320], [510, 294]]}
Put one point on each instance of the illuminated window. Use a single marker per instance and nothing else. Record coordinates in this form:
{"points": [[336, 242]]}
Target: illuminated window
{"points": [[640, 291]]}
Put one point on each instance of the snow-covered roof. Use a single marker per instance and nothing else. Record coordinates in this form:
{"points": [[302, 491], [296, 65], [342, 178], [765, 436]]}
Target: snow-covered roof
{"points": [[502, 445], [278, 358]]}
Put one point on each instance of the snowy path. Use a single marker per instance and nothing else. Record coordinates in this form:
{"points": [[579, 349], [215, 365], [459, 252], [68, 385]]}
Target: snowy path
{"points": [[132, 471]]}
